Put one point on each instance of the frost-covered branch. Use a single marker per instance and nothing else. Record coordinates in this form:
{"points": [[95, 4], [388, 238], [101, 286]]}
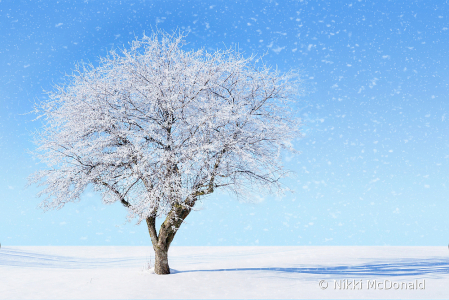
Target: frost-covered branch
{"points": [[156, 127]]}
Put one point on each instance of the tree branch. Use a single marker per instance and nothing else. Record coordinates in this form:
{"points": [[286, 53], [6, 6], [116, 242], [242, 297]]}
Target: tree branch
{"points": [[151, 223], [114, 190]]}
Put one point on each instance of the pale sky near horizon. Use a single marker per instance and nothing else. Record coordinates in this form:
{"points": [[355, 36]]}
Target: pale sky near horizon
{"points": [[374, 158]]}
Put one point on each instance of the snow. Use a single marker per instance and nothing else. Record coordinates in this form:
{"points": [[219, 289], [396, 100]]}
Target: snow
{"points": [[119, 272]]}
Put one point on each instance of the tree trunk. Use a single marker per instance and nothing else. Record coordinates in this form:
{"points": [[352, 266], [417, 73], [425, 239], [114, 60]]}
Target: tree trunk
{"points": [[161, 264], [161, 242]]}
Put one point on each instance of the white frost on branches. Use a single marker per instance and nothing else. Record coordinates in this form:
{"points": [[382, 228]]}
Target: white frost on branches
{"points": [[157, 127]]}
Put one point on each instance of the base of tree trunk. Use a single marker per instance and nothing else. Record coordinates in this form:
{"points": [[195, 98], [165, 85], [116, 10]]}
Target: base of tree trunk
{"points": [[161, 263]]}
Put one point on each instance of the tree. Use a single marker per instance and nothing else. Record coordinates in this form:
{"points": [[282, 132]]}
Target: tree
{"points": [[158, 128]]}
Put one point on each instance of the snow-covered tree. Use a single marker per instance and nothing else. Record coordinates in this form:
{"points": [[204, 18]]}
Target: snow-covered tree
{"points": [[157, 128]]}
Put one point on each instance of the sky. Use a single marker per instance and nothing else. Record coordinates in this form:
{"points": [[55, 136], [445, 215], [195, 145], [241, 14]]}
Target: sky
{"points": [[374, 156]]}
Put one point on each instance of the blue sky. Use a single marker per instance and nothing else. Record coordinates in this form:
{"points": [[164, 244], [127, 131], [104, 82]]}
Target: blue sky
{"points": [[374, 159]]}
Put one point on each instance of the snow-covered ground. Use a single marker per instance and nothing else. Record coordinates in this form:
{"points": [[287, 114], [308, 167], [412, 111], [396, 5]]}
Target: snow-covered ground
{"points": [[225, 273]]}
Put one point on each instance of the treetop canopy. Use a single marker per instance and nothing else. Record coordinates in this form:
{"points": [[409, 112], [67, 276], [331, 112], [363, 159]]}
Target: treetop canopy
{"points": [[156, 127]]}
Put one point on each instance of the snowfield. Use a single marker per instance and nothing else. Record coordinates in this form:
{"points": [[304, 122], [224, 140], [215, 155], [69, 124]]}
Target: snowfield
{"points": [[320, 272]]}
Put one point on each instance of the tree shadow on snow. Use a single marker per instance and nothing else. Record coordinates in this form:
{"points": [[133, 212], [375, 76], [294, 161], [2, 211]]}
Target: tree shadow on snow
{"points": [[402, 267], [409, 267], [23, 258]]}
